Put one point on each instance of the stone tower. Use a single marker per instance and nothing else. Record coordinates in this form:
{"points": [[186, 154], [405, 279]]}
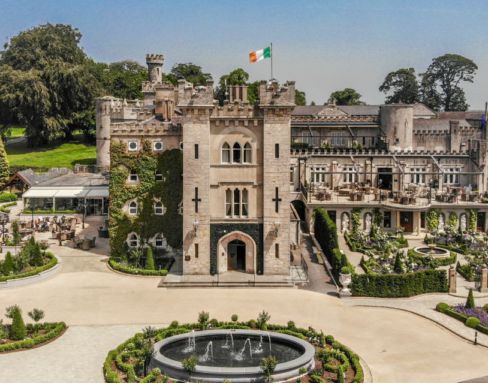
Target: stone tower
{"points": [[155, 67], [103, 121]]}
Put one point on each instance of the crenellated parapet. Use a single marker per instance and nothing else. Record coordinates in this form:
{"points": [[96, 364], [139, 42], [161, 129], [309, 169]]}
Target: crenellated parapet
{"points": [[272, 94], [190, 96]]}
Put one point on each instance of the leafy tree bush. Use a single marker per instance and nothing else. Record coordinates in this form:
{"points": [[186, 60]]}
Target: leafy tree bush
{"points": [[17, 330], [36, 315], [403, 86], [149, 259], [470, 300], [263, 319], [442, 307], [203, 318], [16, 237], [268, 366], [234, 318], [6, 196], [347, 96], [189, 364]]}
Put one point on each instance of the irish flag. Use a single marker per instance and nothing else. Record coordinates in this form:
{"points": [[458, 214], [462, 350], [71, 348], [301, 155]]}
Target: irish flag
{"points": [[260, 54]]}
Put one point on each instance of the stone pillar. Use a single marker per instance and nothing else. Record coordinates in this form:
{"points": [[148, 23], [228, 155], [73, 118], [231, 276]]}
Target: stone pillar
{"points": [[452, 280], [484, 280]]}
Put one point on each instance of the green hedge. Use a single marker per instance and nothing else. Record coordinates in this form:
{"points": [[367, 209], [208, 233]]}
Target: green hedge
{"points": [[50, 264], [326, 234], [466, 271], [399, 285], [8, 197], [134, 270], [54, 330]]}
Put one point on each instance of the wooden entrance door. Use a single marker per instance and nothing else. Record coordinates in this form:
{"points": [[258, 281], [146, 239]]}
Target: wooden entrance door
{"points": [[406, 221]]}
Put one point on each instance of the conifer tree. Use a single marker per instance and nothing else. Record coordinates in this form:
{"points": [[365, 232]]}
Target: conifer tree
{"points": [[470, 301], [149, 259], [18, 330], [397, 267], [8, 264]]}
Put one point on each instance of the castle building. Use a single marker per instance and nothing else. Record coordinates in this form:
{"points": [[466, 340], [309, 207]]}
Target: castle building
{"points": [[245, 171]]}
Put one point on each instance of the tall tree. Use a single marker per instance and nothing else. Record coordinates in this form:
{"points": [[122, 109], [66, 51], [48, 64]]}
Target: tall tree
{"points": [[401, 86], [45, 82], [347, 96], [441, 83], [190, 72], [300, 98]]}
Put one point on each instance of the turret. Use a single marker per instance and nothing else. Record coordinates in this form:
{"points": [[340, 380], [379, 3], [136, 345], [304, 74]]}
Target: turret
{"points": [[155, 67], [397, 123], [103, 110]]}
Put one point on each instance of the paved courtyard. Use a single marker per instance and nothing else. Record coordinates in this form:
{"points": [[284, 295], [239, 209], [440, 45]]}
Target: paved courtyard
{"points": [[104, 308]]}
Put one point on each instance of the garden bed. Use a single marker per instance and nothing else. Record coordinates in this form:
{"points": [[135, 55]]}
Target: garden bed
{"points": [[37, 335], [128, 362], [124, 268], [49, 262], [476, 318]]}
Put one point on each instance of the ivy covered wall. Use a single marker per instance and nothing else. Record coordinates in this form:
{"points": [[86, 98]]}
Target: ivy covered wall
{"points": [[169, 191]]}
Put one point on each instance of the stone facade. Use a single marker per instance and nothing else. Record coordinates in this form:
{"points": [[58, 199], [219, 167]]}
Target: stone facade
{"points": [[243, 164]]}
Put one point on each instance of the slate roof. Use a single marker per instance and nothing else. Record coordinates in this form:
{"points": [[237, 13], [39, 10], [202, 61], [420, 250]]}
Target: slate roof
{"points": [[32, 178], [77, 179]]}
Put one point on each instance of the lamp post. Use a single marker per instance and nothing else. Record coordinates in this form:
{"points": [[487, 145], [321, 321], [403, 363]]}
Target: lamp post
{"points": [[83, 205]]}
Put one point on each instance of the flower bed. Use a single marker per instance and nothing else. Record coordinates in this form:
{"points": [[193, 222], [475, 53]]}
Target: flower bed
{"points": [[134, 270], [49, 262], [129, 361], [37, 335], [476, 318]]}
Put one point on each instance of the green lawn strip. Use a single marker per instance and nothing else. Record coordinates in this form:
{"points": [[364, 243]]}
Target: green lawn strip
{"points": [[61, 155]]}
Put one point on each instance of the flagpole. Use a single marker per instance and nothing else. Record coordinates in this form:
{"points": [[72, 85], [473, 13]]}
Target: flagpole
{"points": [[271, 49]]}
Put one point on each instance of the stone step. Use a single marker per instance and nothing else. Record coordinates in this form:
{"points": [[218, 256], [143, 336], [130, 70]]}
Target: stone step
{"points": [[197, 284]]}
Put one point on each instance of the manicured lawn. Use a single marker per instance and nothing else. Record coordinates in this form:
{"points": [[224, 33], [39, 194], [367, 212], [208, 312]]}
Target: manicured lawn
{"points": [[59, 155], [17, 131]]}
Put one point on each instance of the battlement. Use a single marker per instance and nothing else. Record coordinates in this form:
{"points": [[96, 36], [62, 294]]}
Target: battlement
{"points": [[272, 94], [152, 58], [202, 95], [233, 110]]}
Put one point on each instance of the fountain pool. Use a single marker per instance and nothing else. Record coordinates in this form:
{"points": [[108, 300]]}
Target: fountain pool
{"points": [[233, 354]]}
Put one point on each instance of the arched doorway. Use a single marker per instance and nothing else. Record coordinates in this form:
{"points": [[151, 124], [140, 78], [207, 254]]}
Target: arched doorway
{"points": [[236, 255]]}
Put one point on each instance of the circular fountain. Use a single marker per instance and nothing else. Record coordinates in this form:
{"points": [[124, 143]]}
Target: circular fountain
{"points": [[433, 251], [234, 355]]}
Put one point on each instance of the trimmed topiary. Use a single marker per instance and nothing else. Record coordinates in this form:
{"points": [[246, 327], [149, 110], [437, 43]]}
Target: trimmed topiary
{"points": [[470, 301], [442, 307], [472, 322], [149, 259], [17, 330]]}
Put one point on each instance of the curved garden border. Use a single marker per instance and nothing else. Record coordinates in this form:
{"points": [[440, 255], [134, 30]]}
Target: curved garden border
{"points": [[38, 341], [122, 269], [37, 274]]}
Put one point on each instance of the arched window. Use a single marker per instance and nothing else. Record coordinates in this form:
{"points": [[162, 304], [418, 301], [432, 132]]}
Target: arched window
{"points": [[133, 240], [237, 202], [226, 153], [228, 203], [236, 153], [247, 153], [158, 208], [158, 176], [133, 177], [245, 211], [133, 208], [159, 241]]}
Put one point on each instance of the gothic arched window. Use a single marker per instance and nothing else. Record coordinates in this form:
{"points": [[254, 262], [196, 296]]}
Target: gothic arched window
{"points": [[133, 208], [247, 153], [226, 153], [236, 153]]}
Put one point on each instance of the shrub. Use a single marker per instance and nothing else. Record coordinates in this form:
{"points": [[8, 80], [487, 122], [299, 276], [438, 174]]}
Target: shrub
{"points": [[252, 323], [268, 366], [398, 267], [316, 379], [470, 300], [263, 319], [17, 330], [442, 307], [189, 364], [472, 322], [50, 264], [149, 259], [8, 264], [234, 318], [8, 197], [203, 318], [36, 315], [485, 307], [134, 270]]}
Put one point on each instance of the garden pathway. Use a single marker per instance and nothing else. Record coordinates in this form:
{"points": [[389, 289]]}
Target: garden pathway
{"points": [[103, 308]]}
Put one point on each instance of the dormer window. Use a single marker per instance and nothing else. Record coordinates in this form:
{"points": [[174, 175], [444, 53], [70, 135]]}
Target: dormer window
{"points": [[132, 146], [158, 146]]}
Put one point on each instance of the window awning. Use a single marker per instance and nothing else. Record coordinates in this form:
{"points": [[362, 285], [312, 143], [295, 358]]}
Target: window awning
{"points": [[40, 193], [97, 193], [71, 193]]}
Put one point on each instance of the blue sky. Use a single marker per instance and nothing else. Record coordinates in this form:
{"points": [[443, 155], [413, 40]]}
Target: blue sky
{"points": [[322, 45]]}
